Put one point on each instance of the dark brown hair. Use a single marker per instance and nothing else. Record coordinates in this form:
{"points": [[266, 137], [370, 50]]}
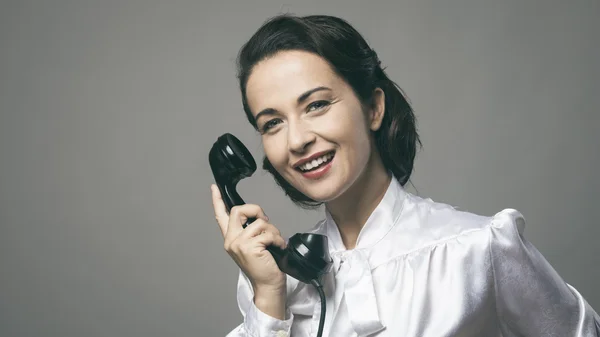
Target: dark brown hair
{"points": [[349, 55]]}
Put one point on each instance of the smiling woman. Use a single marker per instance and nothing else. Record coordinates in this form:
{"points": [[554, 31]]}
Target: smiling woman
{"points": [[337, 131], [325, 64], [313, 112]]}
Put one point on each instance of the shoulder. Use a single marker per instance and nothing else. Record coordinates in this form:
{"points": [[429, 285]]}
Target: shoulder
{"points": [[429, 223], [431, 213]]}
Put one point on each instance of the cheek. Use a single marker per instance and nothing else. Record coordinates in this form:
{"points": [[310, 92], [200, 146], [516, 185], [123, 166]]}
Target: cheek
{"points": [[354, 137], [348, 127], [275, 152]]}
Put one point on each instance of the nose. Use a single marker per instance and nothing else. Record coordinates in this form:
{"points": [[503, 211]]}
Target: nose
{"points": [[300, 137]]}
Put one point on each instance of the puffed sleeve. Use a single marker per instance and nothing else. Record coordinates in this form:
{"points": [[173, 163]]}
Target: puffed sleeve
{"points": [[531, 298], [256, 323]]}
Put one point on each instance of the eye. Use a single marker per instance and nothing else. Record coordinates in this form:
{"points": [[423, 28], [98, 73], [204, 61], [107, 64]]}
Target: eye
{"points": [[270, 124], [317, 105]]}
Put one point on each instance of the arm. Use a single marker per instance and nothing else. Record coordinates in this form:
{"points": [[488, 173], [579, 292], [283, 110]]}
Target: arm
{"points": [[531, 298], [257, 323]]}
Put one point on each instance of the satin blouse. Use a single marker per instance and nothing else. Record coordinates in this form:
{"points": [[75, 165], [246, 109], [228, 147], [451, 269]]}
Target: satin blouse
{"points": [[422, 268]]}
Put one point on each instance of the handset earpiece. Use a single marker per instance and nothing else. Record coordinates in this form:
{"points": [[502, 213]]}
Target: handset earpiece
{"points": [[306, 257], [230, 162]]}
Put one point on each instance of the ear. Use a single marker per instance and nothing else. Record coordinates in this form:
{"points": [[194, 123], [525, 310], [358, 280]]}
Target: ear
{"points": [[377, 109]]}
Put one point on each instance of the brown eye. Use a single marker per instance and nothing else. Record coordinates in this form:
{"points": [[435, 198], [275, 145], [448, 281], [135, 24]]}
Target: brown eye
{"points": [[317, 105]]}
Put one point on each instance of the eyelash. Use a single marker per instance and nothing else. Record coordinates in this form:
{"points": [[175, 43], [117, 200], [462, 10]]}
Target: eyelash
{"points": [[325, 104], [317, 105], [269, 124]]}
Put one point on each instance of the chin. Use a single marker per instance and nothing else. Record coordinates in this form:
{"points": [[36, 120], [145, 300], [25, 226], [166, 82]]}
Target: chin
{"points": [[328, 192], [320, 197]]}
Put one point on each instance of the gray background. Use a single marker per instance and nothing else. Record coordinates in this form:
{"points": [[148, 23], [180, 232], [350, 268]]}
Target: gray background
{"points": [[108, 110]]}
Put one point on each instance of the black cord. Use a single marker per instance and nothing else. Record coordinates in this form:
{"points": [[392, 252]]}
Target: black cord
{"points": [[317, 284]]}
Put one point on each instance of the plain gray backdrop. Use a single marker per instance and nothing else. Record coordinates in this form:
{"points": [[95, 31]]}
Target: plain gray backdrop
{"points": [[108, 110]]}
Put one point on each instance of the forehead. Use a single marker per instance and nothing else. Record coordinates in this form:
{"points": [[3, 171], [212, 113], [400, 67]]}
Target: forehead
{"points": [[280, 79]]}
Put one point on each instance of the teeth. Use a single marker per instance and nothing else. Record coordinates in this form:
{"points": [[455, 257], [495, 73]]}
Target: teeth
{"points": [[316, 162]]}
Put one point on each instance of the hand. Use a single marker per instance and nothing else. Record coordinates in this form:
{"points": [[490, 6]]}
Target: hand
{"points": [[247, 247]]}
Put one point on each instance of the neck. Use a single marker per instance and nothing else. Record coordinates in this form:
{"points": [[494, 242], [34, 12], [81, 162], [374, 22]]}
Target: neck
{"points": [[351, 210]]}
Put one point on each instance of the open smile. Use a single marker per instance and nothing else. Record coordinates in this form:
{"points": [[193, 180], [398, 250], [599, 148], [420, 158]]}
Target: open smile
{"points": [[317, 167]]}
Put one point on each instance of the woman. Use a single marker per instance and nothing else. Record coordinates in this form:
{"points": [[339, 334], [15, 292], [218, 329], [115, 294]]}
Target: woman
{"points": [[337, 131]]}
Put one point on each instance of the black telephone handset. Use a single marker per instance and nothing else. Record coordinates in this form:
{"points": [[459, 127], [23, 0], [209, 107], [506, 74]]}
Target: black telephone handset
{"points": [[306, 257]]}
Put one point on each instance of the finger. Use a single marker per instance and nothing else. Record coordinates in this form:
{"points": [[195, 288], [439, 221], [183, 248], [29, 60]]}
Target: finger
{"points": [[258, 227], [239, 215], [269, 239], [219, 209]]}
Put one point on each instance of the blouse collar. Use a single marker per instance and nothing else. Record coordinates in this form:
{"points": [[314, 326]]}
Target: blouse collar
{"points": [[379, 223]]}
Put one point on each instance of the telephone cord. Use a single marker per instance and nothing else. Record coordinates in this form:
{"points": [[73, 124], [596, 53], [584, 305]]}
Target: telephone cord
{"points": [[317, 284]]}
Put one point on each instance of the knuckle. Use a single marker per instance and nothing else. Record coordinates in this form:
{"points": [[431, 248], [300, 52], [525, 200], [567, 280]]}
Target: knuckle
{"points": [[273, 229], [231, 244], [260, 223], [256, 208], [235, 249], [256, 227]]}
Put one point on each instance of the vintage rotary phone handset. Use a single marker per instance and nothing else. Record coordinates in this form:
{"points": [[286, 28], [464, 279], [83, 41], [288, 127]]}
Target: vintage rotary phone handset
{"points": [[306, 257]]}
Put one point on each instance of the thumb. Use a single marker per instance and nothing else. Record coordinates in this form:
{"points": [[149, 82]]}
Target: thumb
{"points": [[220, 210]]}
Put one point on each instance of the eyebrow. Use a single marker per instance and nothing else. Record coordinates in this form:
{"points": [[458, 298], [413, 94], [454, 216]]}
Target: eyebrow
{"points": [[301, 98]]}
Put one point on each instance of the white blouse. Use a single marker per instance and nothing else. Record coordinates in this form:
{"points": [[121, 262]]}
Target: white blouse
{"points": [[422, 268]]}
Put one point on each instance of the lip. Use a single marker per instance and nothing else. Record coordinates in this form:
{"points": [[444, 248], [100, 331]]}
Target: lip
{"points": [[310, 158], [320, 172]]}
